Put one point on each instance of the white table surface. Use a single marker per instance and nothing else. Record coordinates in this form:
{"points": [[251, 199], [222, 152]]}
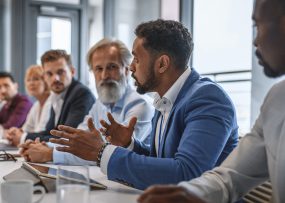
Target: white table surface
{"points": [[115, 193]]}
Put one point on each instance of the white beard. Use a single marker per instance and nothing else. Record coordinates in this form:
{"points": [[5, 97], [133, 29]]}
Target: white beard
{"points": [[110, 91]]}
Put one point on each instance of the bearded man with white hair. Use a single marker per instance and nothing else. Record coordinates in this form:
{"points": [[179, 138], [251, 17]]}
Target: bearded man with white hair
{"points": [[109, 62]]}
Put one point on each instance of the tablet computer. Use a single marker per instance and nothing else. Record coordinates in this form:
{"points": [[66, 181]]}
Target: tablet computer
{"points": [[48, 172]]}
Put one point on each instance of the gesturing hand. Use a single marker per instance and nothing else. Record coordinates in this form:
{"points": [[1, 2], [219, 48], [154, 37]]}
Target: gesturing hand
{"points": [[81, 143], [116, 133], [168, 194]]}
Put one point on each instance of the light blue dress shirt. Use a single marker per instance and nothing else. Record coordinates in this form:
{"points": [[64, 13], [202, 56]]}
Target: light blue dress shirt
{"points": [[130, 105]]}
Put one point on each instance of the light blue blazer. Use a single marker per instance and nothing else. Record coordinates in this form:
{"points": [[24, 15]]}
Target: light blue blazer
{"points": [[200, 133]]}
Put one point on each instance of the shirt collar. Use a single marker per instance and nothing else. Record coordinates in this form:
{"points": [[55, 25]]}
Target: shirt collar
{"points": [[166, 102]]}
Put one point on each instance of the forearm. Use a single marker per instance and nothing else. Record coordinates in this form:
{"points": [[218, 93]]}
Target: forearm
{"points": [[69, 159], [142, 171]]}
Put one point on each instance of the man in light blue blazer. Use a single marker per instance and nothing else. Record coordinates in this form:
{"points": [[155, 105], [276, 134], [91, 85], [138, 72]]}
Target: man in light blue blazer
{"points": [[194, 127]]}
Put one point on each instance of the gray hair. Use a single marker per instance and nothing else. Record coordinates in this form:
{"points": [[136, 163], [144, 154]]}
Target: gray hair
{"points": [[125, 54]]}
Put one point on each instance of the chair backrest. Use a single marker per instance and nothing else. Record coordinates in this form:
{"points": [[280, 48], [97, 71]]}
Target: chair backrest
{"points": [[260, 194]]}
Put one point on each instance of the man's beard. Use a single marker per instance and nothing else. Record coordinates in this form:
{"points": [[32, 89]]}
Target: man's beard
{"points": [[110, 91], [267, 69], [151, 81]]}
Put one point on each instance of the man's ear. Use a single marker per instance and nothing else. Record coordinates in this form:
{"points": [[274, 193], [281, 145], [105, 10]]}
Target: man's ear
{"points": [[72, 70], [164, 63]]}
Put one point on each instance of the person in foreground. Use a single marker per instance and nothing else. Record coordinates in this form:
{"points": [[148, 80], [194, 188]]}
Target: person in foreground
{"points": [[109, 61], [191, 112], [261, 153]]}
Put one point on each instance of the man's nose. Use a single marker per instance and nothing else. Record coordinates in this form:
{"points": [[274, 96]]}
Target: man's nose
{"points": [[105, 74], [55, 77]]}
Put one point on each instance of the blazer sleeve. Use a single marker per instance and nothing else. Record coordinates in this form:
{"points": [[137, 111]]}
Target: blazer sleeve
{"points": [[207, 118]]}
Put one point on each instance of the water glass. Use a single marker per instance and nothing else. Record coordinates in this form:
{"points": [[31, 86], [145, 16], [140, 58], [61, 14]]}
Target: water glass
{"points": [[72, 185]]}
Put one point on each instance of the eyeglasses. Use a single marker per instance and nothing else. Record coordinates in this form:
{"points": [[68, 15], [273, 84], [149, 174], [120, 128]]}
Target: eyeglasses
{"points": [[4, 156]]}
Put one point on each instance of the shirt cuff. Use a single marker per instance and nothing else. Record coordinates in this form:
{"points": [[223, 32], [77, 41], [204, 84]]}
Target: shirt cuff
{"points": [[57, 156], [132, 145], [107, 153], [23, 137]]}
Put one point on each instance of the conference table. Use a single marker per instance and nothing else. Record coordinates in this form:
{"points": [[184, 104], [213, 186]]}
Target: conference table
{"points": [[115, 192]]}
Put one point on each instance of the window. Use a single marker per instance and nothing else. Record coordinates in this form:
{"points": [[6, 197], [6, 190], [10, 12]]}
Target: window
{"points": [[223, 49], [53, 33]]}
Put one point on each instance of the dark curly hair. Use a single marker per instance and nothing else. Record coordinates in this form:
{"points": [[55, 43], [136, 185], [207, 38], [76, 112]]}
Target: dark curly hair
{"points": [[167, 37]]}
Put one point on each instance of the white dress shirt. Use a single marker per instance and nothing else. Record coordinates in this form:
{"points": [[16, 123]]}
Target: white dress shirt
{"points": [[38, 117], [57, 103], [164, 105]]}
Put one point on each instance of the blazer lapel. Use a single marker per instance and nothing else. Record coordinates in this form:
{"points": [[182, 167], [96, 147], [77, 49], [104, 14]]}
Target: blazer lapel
{"points": [[153, 133], [65, 102], [164, 134], [193, 77]]}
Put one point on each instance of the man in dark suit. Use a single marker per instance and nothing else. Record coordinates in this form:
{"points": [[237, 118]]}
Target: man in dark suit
{"points": [[71, 100], [194, 127]]}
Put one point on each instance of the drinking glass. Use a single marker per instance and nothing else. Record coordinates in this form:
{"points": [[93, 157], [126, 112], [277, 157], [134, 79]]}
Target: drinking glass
{"points": [[72, 185]]}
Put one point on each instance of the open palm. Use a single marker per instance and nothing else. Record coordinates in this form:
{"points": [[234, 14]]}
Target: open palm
{"points": [[118, 134]]}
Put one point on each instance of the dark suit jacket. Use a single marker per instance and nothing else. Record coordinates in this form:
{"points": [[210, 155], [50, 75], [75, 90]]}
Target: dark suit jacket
{"points": [[200, 132], [77, 103]]}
